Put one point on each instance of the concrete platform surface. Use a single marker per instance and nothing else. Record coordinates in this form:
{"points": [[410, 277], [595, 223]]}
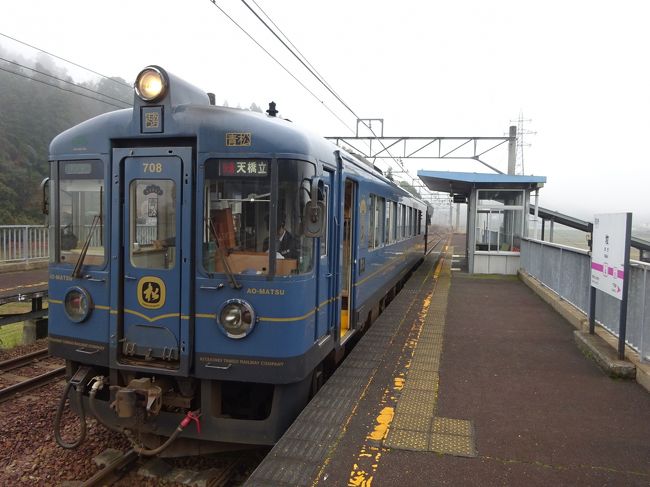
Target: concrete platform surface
{"points": [[543, 413], [538, 411], [22, 282]]}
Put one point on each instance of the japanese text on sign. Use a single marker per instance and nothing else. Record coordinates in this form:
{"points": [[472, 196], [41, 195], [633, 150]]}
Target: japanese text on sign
{"points": [[608, 253], [249, 168], [238, 139]]}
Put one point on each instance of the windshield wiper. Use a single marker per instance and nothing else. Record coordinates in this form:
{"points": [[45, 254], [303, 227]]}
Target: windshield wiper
{"points": [[76, 272], [222, 255]]}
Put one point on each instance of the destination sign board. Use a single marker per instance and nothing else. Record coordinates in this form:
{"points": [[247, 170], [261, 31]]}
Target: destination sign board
{"points": [[244, 168], [609, 253]]}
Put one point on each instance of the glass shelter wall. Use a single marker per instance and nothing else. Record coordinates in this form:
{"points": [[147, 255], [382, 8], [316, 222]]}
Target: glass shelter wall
{"points": [[499, 220]]}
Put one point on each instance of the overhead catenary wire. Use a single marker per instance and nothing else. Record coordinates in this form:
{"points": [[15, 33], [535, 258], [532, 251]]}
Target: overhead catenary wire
{"points": [[59, 87], [213, 2], [66, 60], [307, 65], [291, 43], [66, 81], [303, 60]]}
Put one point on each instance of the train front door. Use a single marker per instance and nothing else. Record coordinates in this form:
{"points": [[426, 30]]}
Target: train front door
{"points": [[349, 258], [152, 260]]}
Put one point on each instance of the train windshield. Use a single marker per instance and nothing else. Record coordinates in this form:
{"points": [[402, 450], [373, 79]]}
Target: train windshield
{"points": [[80, 212], [237, 236]]}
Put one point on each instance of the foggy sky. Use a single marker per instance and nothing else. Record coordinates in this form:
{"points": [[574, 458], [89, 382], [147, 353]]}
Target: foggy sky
{"points": [[577, 69]]}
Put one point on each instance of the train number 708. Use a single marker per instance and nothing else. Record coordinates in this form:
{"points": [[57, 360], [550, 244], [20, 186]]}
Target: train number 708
{"points": [[152, 166]]}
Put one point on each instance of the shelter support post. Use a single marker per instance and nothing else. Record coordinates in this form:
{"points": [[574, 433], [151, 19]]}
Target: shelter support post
{"points": [[512, 149]]}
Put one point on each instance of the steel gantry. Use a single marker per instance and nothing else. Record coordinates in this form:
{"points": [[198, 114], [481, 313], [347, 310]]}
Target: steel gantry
{"points": [[381, 147]]}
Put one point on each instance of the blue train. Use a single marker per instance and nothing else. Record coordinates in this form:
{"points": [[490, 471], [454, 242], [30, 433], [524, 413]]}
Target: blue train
{"points": [[210, 265]]}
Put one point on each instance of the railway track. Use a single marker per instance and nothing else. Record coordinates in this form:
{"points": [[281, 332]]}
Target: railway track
{"points": [[31, 383], [126, 463], [16, 362], [114, 471]]}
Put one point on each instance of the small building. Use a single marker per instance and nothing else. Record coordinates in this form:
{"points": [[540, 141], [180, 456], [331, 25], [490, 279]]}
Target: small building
{"points": [[497, 209]]}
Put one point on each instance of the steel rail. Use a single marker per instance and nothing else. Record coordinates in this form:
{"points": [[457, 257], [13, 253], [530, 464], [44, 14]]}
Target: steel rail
{"points": [[114, 471], [31, 383], [442, 237], [14, 363], [227, 473]]}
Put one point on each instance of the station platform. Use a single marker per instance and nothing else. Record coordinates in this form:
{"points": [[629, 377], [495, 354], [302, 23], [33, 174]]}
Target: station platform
{"points": [[466, 380], [23, 284]]}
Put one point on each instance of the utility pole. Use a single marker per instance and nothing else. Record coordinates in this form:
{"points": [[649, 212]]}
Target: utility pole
{"points": [[512, 150], [521, 132]]}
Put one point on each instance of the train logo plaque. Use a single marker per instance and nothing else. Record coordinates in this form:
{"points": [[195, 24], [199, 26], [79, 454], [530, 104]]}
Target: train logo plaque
{"points": [[151, 292]]}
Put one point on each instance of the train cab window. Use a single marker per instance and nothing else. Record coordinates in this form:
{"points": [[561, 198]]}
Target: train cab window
{"points": [[237, 205], [294, 251], [153, 223], [237, 209], [80, 212]]}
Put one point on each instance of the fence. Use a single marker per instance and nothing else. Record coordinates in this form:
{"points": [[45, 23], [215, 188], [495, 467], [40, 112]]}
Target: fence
{"points": [[21, 243], [567, 271]]}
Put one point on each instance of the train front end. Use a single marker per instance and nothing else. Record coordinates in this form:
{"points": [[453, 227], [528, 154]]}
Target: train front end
{"points": [[183, 270]]}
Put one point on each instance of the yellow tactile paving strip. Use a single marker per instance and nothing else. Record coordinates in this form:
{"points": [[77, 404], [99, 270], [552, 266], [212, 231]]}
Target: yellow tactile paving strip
{"points": [[415, 425]]}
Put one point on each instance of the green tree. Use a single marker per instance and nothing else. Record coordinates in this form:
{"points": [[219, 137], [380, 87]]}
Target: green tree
{"points": [[409, 187], [31, 115]]}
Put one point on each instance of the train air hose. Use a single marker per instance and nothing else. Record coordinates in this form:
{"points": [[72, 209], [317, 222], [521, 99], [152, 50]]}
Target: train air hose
{"points": [[59, 414], [145, 452]]}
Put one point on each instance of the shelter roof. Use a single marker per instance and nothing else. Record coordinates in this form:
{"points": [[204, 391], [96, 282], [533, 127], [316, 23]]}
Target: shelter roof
{"points": [[463, 182]]}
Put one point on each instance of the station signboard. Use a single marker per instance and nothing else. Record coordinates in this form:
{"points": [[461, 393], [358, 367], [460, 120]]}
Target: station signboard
{"points": [[609, 253]]}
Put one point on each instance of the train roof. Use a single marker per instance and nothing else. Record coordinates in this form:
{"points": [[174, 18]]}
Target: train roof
{"points": [[185, 112]]}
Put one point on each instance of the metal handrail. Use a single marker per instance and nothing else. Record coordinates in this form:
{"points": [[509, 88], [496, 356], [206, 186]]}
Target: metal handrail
{"points": [[22, 243]]}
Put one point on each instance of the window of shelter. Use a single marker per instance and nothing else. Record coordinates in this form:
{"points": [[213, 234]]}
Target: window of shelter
{"points": [[499, 220]]}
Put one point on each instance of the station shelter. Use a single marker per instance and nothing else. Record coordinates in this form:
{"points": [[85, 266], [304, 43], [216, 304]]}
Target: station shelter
{"points": [[497, 209]]}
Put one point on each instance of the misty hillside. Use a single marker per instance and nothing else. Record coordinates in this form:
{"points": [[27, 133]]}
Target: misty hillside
{"points": [[31, 115]]}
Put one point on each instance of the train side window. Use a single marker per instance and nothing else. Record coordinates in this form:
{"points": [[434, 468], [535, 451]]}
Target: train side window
{"points": [[389, 221], [371, 226], [407, 221], [398, 223], [415, 222], [380, 206], [323, 239], [393, 217]]}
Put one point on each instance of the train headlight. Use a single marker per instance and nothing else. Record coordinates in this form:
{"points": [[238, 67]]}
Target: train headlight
{"points": [[77, 304], [237, 318], [151, 84]]}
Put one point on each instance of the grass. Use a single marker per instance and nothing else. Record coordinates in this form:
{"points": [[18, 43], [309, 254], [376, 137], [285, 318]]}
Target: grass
{"points": [[12, 335]]}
